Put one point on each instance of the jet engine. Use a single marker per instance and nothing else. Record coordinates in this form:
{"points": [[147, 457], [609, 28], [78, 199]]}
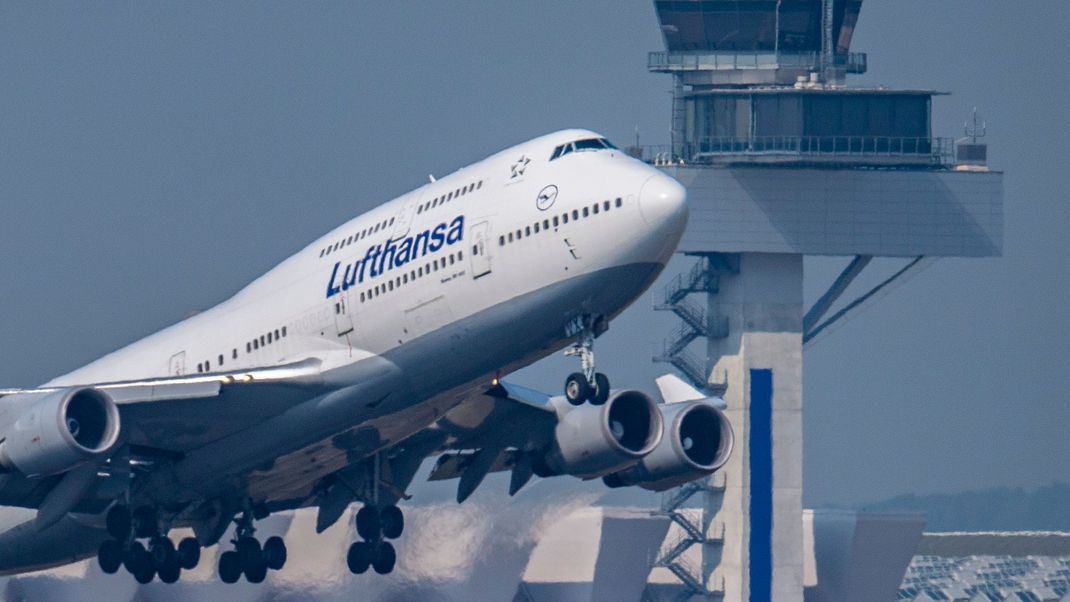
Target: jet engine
{"points": [[698, 440], [59, 432], [592, 441]]}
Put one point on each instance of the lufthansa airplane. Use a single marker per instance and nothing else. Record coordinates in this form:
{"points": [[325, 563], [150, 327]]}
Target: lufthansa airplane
{"points": [[331, 378]]}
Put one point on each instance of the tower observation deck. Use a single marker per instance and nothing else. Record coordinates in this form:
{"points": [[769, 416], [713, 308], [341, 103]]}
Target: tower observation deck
{"points": [[783, 159]]}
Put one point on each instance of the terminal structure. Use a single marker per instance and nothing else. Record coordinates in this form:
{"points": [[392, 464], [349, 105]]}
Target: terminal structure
{"points": [[782, 159]]}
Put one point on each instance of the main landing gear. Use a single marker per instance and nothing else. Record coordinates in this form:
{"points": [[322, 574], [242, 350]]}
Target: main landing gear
{"points": [[586, 385], [375, 525], [160, 558], [249, 557]]}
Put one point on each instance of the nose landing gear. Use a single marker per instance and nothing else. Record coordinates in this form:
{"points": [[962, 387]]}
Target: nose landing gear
{"points": [[586, 385]]}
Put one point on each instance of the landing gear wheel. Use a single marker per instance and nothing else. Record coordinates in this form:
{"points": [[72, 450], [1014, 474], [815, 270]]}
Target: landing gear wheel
{"points": [[601, 389], [249, 552], [189, 553], [385, 558], [275, 553], [118, 522], [145, 575], [110, 556], [256, 572], [162, 551], [145, 522], [136, 559], [577, 389], [229, 567], [369, 525], [170, 571], [360, 557], [393, 522]]}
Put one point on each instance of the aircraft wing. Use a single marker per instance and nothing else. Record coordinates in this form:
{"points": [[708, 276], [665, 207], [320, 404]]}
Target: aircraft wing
{"points": [[176, 414]]}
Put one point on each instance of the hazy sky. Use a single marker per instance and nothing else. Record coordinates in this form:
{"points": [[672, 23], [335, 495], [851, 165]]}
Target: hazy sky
{"points": [[154, 158]]}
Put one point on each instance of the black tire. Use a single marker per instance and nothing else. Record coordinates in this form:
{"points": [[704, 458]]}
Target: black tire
{"points": [[118, 522], [275, 553], [385, 558], [393, 522], [162, 551], [256, 572], [145, 521], [360, 557], [189, 553], [110, 556], [135, 557], [145, 575], [577, 389], [369, 525], [601, 389], [249, 552], [229, 567], [171, 571]]}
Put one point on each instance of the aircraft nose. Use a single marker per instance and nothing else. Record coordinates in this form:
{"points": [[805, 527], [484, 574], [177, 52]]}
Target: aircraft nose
{"points": [[663, 202]]}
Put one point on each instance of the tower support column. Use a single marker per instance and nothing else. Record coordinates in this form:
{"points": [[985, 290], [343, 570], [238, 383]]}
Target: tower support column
{"points": [[758, 366]]}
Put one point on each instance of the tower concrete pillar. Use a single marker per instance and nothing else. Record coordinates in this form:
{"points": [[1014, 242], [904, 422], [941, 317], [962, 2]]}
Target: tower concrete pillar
{"points": [[753, 549]]}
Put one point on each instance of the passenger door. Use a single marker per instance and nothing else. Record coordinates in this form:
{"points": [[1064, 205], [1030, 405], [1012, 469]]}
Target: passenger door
{"points": [[343, 314], [403, 220], [480, 234]]}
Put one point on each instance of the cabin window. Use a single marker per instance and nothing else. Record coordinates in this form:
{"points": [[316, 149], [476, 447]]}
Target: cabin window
{"points": [[596, 208], [283, 331], [276, 334], [256, 344], [479, 184], [501, 241], [605, 205], [575, 214], [619, 202], [234, 354], [269, 337], [545, 224], [555, 221], [536, 227], [322, 251], [510, 237], [586, 212], [262, 343], [527, 231], [220, 359], [248, 347], [564, 218]]}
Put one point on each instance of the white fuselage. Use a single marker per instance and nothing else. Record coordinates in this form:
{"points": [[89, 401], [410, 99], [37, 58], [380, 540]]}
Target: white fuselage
{"points": [[483, 235]]}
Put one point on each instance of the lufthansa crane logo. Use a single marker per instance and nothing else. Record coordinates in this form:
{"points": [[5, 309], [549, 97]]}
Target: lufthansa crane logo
{"points": [[546, 198]]}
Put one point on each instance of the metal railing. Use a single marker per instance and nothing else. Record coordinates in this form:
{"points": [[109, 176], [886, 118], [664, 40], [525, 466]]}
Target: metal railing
{"points": [[887, 149], [852, 62]]}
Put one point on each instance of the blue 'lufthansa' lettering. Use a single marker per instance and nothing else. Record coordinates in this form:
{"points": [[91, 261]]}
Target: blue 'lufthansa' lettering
{"points": [[382, 258]]}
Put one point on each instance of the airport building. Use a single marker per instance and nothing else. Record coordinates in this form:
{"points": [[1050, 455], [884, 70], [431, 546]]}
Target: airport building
{"points": [[783, 159]]}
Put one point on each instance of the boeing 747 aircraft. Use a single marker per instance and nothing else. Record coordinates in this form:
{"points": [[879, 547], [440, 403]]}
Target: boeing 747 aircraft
{"points": [[331, 378]]}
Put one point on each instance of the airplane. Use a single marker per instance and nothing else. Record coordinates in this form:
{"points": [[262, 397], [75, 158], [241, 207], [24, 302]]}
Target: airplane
{"points": [[331, 378]]}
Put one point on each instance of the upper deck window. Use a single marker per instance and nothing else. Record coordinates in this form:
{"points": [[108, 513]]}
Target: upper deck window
{"points": [[587, 144]]}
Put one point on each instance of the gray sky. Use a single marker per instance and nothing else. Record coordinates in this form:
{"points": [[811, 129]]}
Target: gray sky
{"points": [[156, 157]]}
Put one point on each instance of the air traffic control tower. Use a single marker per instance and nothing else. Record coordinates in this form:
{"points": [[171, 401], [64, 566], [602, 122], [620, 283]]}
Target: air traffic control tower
{"points": [[782, 159]]}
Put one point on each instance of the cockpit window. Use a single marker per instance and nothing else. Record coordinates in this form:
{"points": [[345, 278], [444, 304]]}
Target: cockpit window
{"points": [[587, 144]]}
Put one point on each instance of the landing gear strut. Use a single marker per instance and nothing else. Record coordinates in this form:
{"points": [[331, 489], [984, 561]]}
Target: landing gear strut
{"points": [[375, 525], [586, 385]]}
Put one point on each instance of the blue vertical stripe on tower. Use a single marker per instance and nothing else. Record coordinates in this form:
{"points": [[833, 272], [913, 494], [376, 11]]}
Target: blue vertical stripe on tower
{"points": [[760, 547]]}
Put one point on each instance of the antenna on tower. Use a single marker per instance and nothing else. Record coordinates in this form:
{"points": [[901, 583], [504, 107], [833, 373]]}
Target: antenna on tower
{"points": [[971, 155], [976, 129]]}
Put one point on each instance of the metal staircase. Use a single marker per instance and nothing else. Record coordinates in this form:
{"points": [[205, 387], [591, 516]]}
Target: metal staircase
{"points": [[691, 533], [703, 277]]}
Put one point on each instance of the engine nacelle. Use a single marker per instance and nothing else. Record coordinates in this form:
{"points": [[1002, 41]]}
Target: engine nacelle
{"points": [[60, 431], [592, 441], [698, 440]]}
